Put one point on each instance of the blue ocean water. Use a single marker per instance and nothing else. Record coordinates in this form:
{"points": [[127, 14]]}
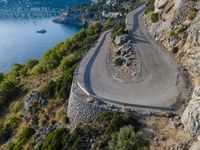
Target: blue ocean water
{"points": [[19, 40]]}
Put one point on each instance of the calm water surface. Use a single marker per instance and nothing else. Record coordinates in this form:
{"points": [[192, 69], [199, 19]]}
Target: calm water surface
{"points": [[20, 42]]}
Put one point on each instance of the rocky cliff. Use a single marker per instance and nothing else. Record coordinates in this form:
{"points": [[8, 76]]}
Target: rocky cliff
{"points": [[176, 24]]}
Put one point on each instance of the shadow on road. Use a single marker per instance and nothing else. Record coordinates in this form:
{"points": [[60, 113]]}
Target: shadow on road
{"points": [[87, 81]]}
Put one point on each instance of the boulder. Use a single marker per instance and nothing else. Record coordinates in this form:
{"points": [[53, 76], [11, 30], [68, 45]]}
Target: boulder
{"points": [[121, 39], [159, 4]]}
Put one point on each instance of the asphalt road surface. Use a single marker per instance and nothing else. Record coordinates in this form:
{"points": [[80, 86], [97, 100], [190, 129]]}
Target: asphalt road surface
{"points": [[161, 85]]}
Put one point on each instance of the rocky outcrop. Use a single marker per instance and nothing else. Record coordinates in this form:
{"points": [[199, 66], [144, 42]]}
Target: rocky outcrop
{"points": [[34, 97], [191, 115], [71, 18], [74, 16], [178, 29]]}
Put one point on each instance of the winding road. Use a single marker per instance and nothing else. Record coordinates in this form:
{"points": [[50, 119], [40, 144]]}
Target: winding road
{"points": [[162, 85]]}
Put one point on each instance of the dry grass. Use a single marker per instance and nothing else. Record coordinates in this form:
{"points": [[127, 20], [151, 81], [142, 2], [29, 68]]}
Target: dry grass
{"points": [[197, 80], [162, 126]]}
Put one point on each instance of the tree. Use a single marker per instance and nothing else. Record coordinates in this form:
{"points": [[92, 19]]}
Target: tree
{"points": [[1, 77]]}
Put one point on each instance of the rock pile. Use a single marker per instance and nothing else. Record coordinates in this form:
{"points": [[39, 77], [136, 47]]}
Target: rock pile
{"points": [[35, 96], [126, 62], [128, 53]]}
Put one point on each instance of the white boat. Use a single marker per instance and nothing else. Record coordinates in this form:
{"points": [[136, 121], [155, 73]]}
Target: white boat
{"points": [[41, 31]]}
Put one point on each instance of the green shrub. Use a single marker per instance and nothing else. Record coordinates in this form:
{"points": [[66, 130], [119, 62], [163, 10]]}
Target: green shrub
{"points": [[22, 139], [71, 60], [14, 122], [119, 61], [26, 134], [31, 63], [1, 77], [104, 117], [64, 84], [49, 90], [128, 139], [154, 17], [118, 29], [8, 90], [192, 14], [54, 141], [150, 6], [108, 24], [5, 131]]}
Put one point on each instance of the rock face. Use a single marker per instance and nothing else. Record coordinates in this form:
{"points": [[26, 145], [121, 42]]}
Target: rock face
{"points": [[71, 18], [191, 116], [178, 29]]}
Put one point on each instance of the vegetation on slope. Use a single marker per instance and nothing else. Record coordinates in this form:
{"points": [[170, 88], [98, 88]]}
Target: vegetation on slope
{"points": [[61, 59], [108, 131]]}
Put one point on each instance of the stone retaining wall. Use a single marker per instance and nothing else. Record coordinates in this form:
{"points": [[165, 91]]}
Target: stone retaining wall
{"points": [[82, 108]]}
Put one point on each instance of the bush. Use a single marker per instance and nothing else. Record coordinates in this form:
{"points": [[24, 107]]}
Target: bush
{"points": [[100, 130], [26, 134], [154, 17], [150, 7], [49, 90], [14, 122], [118, 29], [22, 139], [54, 141], [31, 63], [119, 61], [1, 77], [71, 60], [128, 139], [5, 132], [8, 90], [64, 84], [108, 24], [192, 14]]}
